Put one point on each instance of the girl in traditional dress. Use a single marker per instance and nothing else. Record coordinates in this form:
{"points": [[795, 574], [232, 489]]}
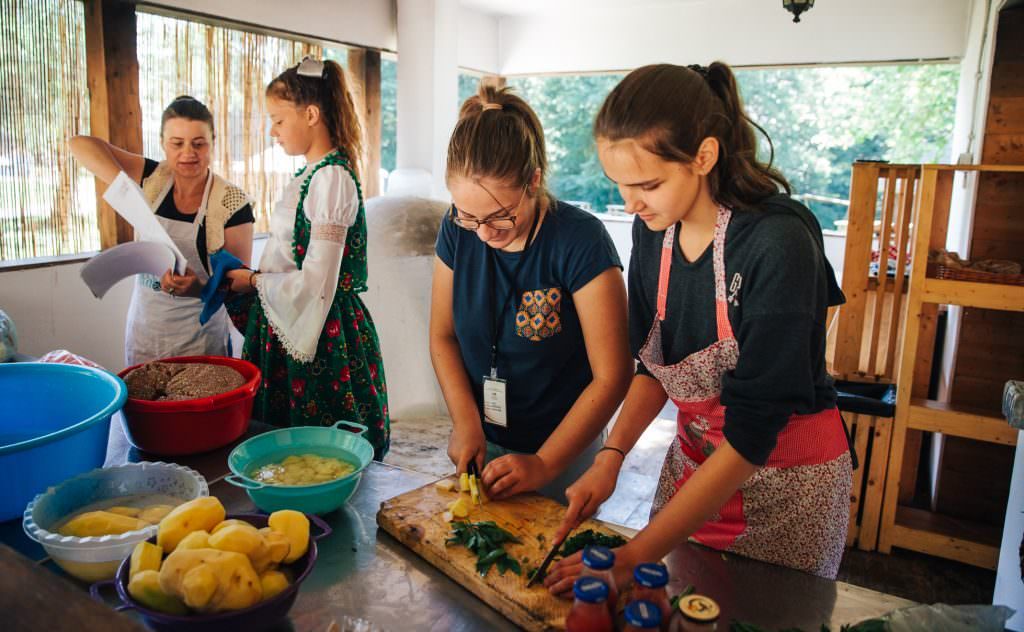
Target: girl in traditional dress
{"points": [[305, 326]]}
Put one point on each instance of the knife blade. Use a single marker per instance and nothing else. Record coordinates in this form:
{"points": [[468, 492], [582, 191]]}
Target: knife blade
{"points": [[547, 562], [474, 482]]}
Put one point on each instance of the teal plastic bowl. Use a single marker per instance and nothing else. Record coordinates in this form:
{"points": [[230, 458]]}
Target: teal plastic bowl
{"points": [[274, 446]]}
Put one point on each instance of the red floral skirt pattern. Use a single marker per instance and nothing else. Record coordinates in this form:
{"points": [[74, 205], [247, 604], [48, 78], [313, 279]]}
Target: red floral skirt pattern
{"points": [[345, 379]]}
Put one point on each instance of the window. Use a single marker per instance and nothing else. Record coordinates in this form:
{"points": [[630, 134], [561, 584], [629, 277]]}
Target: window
{"points": [[228, 70], [468, 85], [823, 119], [388, 115], [47, 202], [566, 106], [819, 119]]}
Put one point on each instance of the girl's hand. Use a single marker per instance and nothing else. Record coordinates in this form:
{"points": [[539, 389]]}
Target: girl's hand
{"points": [[467, 443], [241, 280], [514, 474], [181, 285], [593, 488], [564, 572]]}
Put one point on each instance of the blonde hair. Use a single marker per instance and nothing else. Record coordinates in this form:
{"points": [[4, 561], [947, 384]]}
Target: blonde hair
{"points": [[498, 135], [330, 93]]}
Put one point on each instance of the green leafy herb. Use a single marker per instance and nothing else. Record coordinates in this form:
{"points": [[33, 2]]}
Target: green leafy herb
{"points": [[674, 602], [487, 541], [584, 539]]}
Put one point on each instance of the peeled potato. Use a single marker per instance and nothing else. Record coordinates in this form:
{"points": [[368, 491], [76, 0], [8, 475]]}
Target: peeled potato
{"points": [[295, 525]]}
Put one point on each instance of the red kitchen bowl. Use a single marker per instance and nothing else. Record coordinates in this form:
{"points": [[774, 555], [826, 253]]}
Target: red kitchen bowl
{"points": [[190, 426]]}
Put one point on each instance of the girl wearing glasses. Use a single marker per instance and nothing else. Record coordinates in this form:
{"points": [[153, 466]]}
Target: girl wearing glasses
{"points": [[528, 309]]}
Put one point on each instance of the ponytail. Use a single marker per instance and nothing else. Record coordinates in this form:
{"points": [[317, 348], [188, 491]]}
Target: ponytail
{"points": [[498, 135], [672, 109], [328, 91]]}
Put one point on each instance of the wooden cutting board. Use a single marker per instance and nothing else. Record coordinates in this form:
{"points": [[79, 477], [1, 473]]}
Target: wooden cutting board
{"points": [[415, 519]]}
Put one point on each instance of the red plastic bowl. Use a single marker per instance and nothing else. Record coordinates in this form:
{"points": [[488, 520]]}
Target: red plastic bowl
{"points": [[190, 426]]}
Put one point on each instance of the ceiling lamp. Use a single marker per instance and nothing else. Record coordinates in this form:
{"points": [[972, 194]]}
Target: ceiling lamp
{"points": [[796, 7]]}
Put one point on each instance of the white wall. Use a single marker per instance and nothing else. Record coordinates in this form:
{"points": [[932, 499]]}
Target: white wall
{"points": [[428, 76], [478, 41], [740, 32], [53, 309], [364, 22]]}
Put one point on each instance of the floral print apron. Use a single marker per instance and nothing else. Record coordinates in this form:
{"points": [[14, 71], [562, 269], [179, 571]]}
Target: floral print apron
{"points": [[794, 511]]}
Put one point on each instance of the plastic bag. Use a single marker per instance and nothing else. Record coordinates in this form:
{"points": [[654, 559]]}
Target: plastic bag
{"points": [[941, 617], [63, 356]]}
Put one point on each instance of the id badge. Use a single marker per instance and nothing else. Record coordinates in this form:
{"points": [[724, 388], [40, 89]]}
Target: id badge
{"points": [[495, 409]]}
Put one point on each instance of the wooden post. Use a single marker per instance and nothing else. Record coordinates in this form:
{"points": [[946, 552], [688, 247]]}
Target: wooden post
{"points": [[364, 68], [115, 112]]}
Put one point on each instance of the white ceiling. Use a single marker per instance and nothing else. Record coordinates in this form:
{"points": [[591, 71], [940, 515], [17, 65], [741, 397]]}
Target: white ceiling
{"points": [[530, 7]]}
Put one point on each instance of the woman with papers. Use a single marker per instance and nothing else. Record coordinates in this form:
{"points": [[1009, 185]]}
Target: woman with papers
{"points": [[199, 210]]}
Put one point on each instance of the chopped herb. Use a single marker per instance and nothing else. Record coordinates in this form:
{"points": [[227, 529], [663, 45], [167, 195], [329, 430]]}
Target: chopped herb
{"points": [[586, 538], [487, 541]]}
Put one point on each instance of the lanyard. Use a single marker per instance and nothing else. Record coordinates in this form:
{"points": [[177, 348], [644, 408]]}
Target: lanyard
{"points": [[513, 290]]}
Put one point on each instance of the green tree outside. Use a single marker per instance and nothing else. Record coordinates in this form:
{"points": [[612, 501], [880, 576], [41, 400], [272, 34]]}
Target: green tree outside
{"points": [[820, 120]]}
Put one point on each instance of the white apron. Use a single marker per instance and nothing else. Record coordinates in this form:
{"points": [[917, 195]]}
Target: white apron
{"points": [[160, 325]]}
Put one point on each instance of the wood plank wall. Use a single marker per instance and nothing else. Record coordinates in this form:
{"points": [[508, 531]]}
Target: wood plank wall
{"points": [[115, 112], [974, 480]]}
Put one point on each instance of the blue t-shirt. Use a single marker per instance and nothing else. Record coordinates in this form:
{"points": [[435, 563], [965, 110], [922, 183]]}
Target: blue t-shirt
{"points": [[541, 353]]}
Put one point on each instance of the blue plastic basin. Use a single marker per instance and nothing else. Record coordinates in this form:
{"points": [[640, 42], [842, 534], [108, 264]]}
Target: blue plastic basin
{"points": [[54, 424], [274, 446]]}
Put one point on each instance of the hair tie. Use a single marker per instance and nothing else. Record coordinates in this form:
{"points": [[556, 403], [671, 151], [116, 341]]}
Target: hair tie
{"points": [[700, 70], [491, 106], [311, 67]]}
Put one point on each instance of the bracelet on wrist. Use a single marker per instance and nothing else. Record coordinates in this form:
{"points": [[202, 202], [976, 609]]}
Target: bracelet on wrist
{"points": [[612, 449]]}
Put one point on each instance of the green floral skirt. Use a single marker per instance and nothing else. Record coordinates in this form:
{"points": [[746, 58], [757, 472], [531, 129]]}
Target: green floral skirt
{"points": [[344, 380]]}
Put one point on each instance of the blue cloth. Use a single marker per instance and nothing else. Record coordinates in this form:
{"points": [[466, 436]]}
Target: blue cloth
{"points": [[221, 262], [541, 352]]}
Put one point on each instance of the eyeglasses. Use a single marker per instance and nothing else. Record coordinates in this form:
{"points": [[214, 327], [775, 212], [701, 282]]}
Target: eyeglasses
{"points": [[505, 222]]}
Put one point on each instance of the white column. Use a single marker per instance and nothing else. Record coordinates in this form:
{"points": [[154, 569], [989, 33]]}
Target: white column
{"points": [[427, 95]]}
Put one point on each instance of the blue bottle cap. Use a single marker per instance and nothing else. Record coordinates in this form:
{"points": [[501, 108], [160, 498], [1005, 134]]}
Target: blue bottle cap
{"points": [[643, 614], [651, 575], [599, 558], [590, 590]]}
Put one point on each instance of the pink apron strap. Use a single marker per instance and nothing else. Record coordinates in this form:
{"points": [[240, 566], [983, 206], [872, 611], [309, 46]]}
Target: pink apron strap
{"points": [[718, 252], [721, 305], [665, 269]]}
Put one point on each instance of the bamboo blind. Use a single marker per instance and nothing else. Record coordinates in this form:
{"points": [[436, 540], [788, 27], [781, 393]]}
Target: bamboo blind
{"points": [[228, 70], [47, 202]]}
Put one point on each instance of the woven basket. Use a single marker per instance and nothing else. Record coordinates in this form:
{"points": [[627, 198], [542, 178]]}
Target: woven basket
{"points": [[939, 271]]}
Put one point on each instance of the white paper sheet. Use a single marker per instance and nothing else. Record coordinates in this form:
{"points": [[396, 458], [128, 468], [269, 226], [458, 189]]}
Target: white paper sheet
{"points": [[125, 196], [125, 260]]}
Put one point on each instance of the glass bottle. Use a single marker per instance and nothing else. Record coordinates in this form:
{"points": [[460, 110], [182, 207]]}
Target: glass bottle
{"points": [[598, 561], [642, 616], [651, 585], [590, 610]]}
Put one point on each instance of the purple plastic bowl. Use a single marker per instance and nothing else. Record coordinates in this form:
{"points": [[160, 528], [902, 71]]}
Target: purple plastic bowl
{"points": [[261, 616]]}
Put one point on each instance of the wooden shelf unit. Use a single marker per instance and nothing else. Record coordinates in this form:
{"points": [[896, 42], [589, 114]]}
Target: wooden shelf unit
{"points": [[864, 344], [915, 529]]}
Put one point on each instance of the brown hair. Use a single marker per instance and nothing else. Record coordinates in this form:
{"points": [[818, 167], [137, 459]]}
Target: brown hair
{"points": [[498, 135], [672, 109], [330, 93], [188, 108]]}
